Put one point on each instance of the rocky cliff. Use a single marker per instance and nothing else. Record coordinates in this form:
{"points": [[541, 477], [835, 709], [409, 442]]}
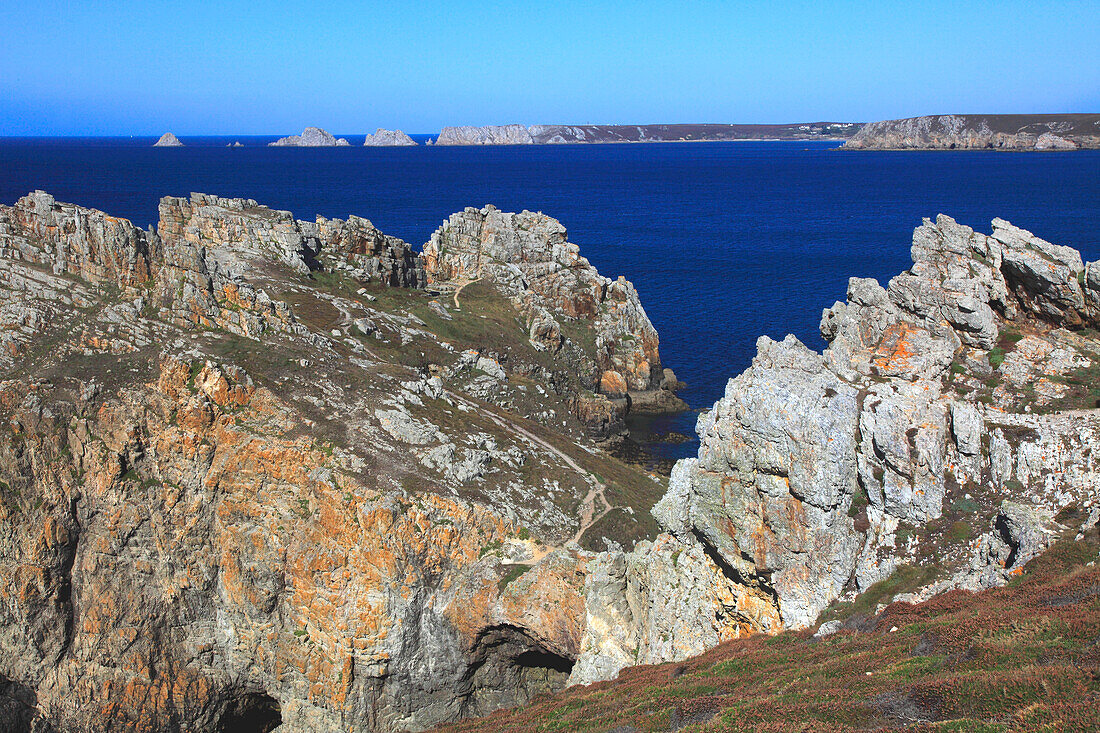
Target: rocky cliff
{"points": [[252, 472], [980, 132], [311, 137], [529, 257], [257, 471], [388, 138], [488, 135], [949, 423]]}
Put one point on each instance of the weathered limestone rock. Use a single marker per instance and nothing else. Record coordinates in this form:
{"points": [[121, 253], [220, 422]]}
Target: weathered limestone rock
{"points": [[311, 137], [224, 495], [388, 138], [368, 253], [1050, 141], [168, 140]]}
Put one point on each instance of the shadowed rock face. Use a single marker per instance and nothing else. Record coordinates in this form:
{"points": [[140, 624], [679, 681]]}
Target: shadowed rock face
{"points": [[980, 132]]}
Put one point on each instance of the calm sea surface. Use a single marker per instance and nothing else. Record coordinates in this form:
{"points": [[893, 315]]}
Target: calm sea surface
{"points": [[724, 241]]}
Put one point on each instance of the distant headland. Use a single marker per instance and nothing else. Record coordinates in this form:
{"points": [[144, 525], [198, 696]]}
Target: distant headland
{"points": [[980, 132], [1055, 132]]}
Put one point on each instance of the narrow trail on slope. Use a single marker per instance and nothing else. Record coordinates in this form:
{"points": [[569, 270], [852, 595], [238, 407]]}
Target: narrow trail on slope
{"points": [[461, 284], [588, 516]]}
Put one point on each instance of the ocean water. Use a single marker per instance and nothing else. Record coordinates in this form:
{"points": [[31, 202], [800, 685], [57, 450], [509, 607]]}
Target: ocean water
{"points": [[725, 241]]}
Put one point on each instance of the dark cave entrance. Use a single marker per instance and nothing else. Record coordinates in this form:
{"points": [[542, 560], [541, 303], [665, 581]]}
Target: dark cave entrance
{"points": [[508, 668], [250, 712]]}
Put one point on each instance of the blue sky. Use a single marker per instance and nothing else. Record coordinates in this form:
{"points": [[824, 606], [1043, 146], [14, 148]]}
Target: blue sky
{"points": [[143, 67]]}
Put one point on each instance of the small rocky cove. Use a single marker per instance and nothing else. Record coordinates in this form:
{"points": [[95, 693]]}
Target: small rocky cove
{"points": [[261, 473]]}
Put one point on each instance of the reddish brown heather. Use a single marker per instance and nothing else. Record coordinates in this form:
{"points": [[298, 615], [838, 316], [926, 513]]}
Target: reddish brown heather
{"points": [[1021, 658]]}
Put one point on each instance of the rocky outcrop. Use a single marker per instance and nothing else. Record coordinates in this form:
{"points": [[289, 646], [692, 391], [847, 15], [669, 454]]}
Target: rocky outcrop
{"points": [[229, 499], [529, 257], [388, 138], [488, 135], [168, 140], [980, 132], [917, 438], [366, 253], [311, 137], [72, 240]]}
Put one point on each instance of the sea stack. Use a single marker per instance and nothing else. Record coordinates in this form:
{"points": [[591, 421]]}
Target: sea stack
{"points": [[388, 138], [311, 137], [168, 140]]}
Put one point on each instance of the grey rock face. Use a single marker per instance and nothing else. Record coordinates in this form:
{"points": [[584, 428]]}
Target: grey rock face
{"points": [[168, 140], [488, 135], [311, 137], [75, 240], [817, 473], [388, 138]]}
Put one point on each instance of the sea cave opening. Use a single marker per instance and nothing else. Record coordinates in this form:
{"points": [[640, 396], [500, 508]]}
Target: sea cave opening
{"points": [[250, 712]]}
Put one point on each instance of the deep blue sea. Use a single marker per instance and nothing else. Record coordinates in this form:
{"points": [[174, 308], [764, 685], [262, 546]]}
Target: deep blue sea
{"points": [[724, 241]]}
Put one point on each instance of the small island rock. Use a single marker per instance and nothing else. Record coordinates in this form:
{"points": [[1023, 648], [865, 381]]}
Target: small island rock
{"points": [[388, 138], [168, 140], [311, 137]]}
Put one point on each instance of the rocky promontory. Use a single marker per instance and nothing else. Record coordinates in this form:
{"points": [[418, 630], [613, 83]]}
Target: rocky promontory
{"points": [[980, 132], [567, 134], [311, 137], [168, 140], [388, 138], [260, 471]]}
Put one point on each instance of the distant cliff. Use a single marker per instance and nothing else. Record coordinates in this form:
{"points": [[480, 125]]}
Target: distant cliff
{"points": [[981, 132], [559, 134]]}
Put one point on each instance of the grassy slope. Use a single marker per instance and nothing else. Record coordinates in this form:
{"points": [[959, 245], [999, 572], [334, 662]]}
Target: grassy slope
{"points": [[1021, 658]]}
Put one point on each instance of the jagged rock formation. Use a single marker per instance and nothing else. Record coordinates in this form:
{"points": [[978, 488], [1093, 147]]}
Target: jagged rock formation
{"points": [[561, 134], [311, 137], [980, 132], [939, 410], [530, 258], [257, 470], [229, 498], [168, 140], [388, 138]]}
